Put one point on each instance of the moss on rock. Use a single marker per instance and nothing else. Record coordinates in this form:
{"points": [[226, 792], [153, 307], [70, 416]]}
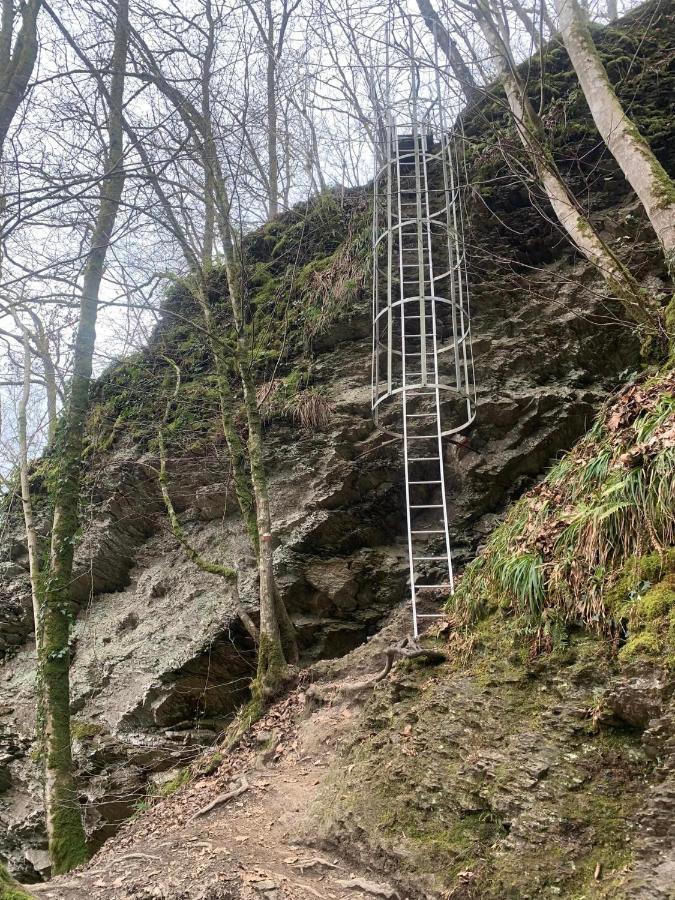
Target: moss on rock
{"points": [[465, 772], [10, 889]]}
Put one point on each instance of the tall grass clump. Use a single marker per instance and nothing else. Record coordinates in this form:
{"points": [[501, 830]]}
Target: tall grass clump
{"points": [[562, 547]]}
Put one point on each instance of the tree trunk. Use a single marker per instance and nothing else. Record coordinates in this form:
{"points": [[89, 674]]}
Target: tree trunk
{"points": [[64, 824], [639, 306], [527, 21], [450, 49], [209, 145], [26, 502], [271, 657], [226, 572], [643, 171], [272, 157], [16, 68]]}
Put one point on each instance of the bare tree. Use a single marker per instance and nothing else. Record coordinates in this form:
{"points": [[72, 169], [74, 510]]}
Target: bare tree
{"points": [[639, 306], [272, 28], [67, 845], [644, 172], [451, 51], [232, 354], [17, 59]]}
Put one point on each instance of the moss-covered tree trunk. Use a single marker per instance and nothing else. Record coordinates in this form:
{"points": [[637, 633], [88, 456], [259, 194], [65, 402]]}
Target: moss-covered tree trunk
{"points": [[639, 305], [277, 636], [276, 630], [67, 844], [16, 64], [643, 171]]}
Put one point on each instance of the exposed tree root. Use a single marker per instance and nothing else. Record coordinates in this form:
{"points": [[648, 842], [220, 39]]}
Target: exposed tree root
{"points": [[223, 798], [407, 648]]}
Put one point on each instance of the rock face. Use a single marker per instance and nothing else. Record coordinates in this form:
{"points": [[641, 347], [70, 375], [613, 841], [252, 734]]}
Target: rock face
{"points": [[158, 651], [159, 657]]}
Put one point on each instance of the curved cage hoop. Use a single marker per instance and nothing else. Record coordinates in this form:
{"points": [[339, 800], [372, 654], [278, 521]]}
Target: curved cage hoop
{"points": [[423, 387]]}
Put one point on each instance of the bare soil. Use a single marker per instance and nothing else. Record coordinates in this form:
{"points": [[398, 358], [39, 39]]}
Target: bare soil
{"points": [[256, 846]]}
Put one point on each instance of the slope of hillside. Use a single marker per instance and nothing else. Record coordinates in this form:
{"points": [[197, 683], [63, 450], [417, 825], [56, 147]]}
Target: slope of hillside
{"points": [[160, 658]]}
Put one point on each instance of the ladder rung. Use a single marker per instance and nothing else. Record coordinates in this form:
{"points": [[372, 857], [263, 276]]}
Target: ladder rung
{"points": [[427, 531], [435, 558], [420, 415], [425, 482], [424, 459], [429, 615], [433, 587], [426, 506]]}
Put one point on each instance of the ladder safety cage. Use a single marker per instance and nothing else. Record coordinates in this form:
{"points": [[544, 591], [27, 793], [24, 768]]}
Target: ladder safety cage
{"points": [[423, 386]]}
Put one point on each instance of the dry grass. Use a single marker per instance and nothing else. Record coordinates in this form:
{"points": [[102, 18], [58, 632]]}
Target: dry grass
{"points": [[310, 409], [333, 286]]}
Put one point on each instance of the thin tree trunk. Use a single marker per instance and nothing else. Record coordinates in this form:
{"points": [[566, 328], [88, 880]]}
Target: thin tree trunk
{"points": [[643, 171], [26, 501], [639, 306], [209, 145], [272, 157], [16, 67], [226, 572], [526, 19], [67, 845], [450, 49]]}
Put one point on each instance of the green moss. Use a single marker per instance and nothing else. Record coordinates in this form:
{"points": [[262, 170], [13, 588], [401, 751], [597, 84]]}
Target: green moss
{"points": [[636, 577], [10, 889], [645, 644], [209, 764], [658, 601], [82, 731], [182, 777]]}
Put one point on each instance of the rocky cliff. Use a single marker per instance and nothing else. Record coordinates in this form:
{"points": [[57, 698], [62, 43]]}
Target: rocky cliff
{"points": [[160, 659]]}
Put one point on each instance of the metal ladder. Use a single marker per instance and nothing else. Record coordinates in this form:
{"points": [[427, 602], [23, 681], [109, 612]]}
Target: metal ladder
{"points": [[421, 402]]}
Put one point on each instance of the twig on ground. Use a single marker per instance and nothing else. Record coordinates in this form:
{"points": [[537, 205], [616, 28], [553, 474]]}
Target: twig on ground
{"points": [[223, 798], [316, 862]]}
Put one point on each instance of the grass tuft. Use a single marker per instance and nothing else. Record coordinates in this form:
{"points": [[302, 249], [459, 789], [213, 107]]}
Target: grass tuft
{"points": [[563, 547]]}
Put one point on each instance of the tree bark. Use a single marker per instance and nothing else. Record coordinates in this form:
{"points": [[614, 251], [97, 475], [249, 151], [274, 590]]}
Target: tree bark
{"points": [[67, 845], [16, 67], [639, 306], [643, 171], [26, 501], [271, 79], [450, 49]]}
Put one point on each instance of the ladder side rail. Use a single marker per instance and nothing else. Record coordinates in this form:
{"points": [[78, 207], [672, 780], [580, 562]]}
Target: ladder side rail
{"points": [[468, 350], [439, 442], [420, 251], [390, 255]]}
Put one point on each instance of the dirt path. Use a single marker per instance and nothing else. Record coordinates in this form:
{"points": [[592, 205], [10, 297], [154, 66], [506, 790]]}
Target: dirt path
{"points": [[256, 846]]}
